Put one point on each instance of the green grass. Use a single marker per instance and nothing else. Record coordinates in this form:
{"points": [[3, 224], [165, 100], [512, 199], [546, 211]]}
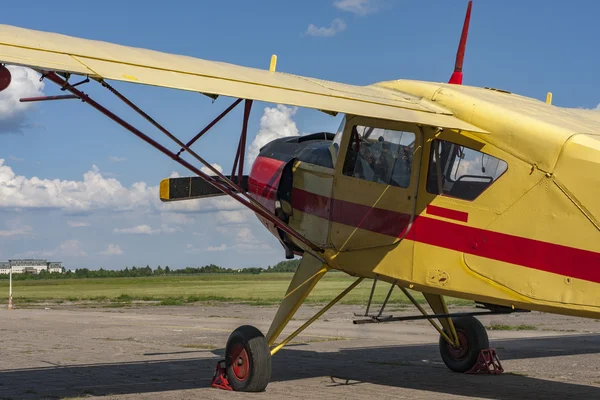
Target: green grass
{"points": [[260, 289], [500, 327]]}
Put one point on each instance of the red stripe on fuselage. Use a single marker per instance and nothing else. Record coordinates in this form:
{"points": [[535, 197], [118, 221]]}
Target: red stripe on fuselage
{"points": [[535, 254], [372, 219], [448, 213]]}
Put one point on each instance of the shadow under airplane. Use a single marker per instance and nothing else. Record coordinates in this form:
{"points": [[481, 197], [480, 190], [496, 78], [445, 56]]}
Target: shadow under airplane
{"points": [[412, 367]]}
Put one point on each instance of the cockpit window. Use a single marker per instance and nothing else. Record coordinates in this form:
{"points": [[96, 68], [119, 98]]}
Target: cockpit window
{"points": [[461, 172], [380, 155]]}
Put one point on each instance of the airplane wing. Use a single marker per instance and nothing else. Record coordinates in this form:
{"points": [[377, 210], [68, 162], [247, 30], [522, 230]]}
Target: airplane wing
{"points": [[96, 59]]}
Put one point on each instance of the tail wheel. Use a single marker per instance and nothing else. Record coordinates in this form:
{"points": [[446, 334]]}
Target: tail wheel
{"points": [[472, 337], [248, 360]]}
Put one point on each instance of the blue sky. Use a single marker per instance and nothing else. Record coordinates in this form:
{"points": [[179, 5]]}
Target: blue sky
{"points": [[78, 168]]}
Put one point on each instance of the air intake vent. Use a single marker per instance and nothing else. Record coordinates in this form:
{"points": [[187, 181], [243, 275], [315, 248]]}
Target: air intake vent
{"points": [[498, 90]]}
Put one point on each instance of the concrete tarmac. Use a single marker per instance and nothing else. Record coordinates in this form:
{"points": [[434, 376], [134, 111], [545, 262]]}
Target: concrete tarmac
{"points": [[149, 352]]}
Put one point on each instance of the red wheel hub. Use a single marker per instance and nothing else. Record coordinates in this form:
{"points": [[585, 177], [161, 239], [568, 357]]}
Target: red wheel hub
{"points": [[458, 353], [239, 362], [5, 77]]}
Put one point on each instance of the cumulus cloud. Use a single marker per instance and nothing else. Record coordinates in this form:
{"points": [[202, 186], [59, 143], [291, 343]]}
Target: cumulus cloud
{"points": [[337, 25], [233, 217], [146, 230], [209, 172], [222, 247], [358, 7], [78, 224], [176, 218], [245, 235], [67, 249], [276, 122], [112, 250], [137, 230], [168, 229], [116, 159], [238, 239], [25, 83], [94, 192], [16, 228], [246, 241]]}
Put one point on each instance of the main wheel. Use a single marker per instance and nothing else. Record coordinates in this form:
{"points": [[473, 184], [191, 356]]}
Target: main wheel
{"points": [[472, 338], [248, 360]]}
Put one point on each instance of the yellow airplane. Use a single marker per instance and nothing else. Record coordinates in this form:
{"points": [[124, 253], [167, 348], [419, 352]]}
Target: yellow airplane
{"points": [[444, 189]]}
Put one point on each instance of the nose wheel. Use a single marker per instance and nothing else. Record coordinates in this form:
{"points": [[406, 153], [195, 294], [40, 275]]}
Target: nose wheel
{"points": [[472, 338], [248, 360]]}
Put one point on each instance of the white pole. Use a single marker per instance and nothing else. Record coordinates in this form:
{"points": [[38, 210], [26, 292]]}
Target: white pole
{"points": [[10, 303]]}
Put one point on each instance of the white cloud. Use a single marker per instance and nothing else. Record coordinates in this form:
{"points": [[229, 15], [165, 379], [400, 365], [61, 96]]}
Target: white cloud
{"points": [[245, 241], [25, 83], [137, 230], [222, 247], [168, 229], [337, 26], [233, 217], [597, 107], [78, 224], [116, 159], [209, 172], [146, 230], [68, 249], [112, 250], [276, 122], [245, 236], [95, 192], [16, 228], [358, 7], [176, 218]]}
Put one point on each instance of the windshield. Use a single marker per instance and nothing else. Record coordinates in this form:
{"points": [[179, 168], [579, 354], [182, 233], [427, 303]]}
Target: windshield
{"points": [[337, 140]]}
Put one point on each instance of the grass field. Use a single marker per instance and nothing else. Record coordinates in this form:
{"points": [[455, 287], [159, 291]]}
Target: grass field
{"points": [[175, 290]]}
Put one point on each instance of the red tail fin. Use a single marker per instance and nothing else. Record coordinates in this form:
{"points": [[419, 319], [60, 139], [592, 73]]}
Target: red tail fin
{"points": [[457, 76]]}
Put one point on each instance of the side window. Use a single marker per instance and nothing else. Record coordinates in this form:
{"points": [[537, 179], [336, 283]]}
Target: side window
{"points": [[380, 155], [461, 172]]}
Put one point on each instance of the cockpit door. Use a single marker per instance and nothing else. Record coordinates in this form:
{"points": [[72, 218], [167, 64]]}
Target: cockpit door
{"points": [[376, 178]]}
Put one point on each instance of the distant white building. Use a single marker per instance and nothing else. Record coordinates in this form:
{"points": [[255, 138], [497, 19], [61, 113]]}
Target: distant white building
{"points": [[4, 268], [30, 265], [55, 267]]}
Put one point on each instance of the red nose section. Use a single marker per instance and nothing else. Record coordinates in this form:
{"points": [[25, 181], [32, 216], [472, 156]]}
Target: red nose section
{"points": [[264, 181], [5, 77]]}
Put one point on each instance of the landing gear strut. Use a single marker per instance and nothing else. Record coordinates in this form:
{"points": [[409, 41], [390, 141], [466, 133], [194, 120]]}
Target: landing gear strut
{"points": [[248, 360], [472, 338]]}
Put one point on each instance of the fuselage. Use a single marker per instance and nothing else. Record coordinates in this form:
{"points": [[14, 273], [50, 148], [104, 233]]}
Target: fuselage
{"points": [[486, 217]]}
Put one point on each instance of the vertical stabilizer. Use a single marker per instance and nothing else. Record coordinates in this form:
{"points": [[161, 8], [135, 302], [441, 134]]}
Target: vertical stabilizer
{"points": [[457, 75]]}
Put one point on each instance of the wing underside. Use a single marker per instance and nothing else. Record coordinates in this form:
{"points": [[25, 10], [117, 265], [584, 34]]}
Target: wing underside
{"points": [[101, 60]]}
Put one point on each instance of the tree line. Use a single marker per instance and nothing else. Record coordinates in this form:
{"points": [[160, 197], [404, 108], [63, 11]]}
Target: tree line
{"points": [[134, 272]]}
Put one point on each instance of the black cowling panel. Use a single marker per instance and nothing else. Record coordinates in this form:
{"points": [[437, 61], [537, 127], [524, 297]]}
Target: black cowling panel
{"points": [[313, 149]]}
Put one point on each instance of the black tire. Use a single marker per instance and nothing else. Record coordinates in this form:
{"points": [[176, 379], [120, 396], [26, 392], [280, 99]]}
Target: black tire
{"points": [[473, 338], [248, 360]]}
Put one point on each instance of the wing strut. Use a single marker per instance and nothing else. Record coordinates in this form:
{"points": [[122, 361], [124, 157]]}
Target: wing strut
{"points": [[457, 75], [220, 182]]}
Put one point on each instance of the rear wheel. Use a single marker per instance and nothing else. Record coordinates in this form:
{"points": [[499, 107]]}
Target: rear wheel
{"points": [[472, 337], [248, 360]]}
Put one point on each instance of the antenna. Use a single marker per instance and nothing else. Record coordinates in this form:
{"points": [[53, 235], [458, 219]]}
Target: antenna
{"points": [[457, 75]]}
